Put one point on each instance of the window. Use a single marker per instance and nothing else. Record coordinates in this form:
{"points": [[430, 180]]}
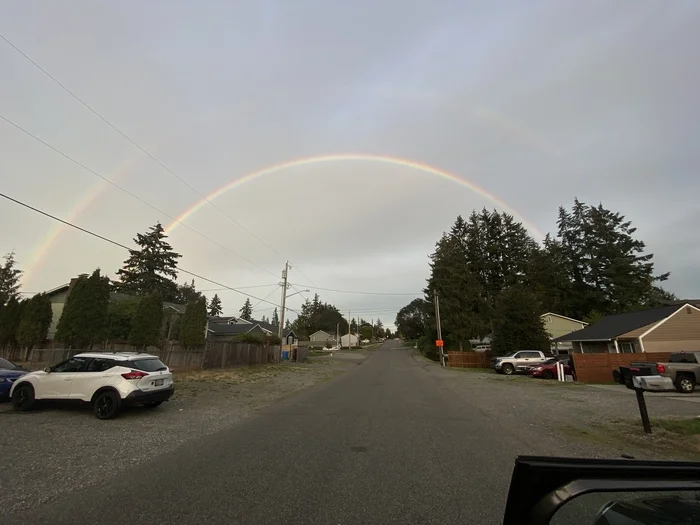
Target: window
{"points": [[147, 365], [682, 357], [530, 354], [626, 348], [100, 365], [74, 364]]}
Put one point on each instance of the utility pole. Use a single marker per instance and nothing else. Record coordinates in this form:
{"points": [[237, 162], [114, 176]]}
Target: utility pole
{"points": [[439, 329], [349, 329], [372, 338], [280, 331]]}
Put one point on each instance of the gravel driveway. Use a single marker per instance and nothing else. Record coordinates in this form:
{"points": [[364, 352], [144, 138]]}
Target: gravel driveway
{"points": [[59, 449]]}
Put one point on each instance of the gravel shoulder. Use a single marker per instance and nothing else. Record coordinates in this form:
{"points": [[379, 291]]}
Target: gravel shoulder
{"points": [[592, 420], [64, 448]]}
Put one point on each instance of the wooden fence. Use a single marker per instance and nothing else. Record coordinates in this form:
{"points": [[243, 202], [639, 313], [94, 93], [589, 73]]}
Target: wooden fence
{"points": [[598, 368], [213, 355], [469, 359]]}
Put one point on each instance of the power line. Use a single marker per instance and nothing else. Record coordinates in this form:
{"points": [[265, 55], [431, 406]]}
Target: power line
{"points": [[360, 293], [267, 296], [239, 287], [133, 195], [136, 144], [120, 245]]}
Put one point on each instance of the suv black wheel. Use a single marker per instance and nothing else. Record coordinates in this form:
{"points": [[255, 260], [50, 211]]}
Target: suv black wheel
{"points": [[106, 405], [508, 369], [685, 383], [23, 398]]}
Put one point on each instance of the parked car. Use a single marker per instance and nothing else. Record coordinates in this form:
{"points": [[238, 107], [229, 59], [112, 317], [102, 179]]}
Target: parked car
{"points": [[548, 369], [108, 381], [9, 373], [683, 368], [519, 361]]}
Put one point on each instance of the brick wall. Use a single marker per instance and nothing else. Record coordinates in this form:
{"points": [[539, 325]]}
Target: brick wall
{"points": [[469, 359], [598, 368]]}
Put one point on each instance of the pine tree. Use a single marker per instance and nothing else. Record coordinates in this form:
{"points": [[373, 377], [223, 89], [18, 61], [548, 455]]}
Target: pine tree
{"points": [[187, 293], [287, 324], [606, 266], [215, 306], [275, 318], [463, 312], [518, 325], [85, 318], [151, 268], [193, 324], [36, 319], [9, 279], [147, 321], [10, 317], [247, 310]]}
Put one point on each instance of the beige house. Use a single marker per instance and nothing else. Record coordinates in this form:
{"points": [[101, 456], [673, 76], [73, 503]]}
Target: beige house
{"points": [[321, 338], [672, 328], [559, 325]]}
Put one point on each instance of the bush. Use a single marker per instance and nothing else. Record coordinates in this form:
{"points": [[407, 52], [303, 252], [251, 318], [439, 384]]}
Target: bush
{"points": [[259, 339]]}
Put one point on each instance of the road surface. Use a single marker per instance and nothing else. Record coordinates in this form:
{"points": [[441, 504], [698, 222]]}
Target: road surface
{"points": [[385, 442]]}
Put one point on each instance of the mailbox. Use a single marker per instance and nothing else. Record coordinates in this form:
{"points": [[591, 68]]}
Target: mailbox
{"points": [[653, 383]]}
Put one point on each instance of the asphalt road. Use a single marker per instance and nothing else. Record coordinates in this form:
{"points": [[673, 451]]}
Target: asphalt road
{"points": [[385, 442]]}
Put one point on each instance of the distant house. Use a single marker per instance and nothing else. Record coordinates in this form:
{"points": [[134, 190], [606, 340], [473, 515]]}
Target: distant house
{"points": [[481, 345], [559, 325], [227, 328], [59, 295], [672, 328], [321, 338], [348, 340]]}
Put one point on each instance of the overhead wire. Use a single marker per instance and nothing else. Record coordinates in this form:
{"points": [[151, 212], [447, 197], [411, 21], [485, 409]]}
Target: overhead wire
{"points": [[120, 245], [359, 292], [131, 194], [140, 148]]}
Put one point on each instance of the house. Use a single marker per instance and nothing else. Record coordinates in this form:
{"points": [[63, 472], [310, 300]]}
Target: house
{"points": [[559, 325], [671, 328], [321, 338], [226, 328], [481, 345], [348, 340], [59, 295]]}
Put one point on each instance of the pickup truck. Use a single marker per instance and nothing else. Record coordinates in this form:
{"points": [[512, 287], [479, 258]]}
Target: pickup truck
{"points": [[683, 368], [520, 361]]}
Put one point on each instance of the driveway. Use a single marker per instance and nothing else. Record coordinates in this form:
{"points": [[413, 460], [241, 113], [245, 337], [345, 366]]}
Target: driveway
{"points": [[396, 439]]}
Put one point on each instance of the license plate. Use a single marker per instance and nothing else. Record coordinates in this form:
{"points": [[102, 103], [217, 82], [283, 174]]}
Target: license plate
{"points": [[158, 382]]}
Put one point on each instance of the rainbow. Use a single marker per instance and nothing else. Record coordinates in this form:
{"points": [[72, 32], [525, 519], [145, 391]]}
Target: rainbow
{"points": [[347, 157]]}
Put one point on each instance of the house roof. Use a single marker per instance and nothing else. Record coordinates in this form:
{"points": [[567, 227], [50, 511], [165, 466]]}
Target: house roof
{"points": [[320, 332], [224, 329], [564, 317], [613, 326]]}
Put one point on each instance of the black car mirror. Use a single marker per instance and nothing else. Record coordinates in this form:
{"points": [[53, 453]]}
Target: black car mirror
{"points": [[555, 491]]}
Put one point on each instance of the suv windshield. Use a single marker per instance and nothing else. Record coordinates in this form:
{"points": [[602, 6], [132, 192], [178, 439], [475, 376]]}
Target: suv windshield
{"points": [[150, 364]]}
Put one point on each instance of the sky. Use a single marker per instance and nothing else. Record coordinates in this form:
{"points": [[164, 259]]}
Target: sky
{"points": [[527, 105]]}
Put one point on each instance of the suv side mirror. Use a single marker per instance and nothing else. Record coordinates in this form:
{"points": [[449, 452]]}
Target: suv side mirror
{"points": [[47, 369]]}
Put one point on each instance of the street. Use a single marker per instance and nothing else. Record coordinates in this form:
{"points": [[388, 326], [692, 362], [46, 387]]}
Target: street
{"points": [[385, 442]]}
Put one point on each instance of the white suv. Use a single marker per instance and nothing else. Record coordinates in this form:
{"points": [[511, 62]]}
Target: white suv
{"points": [[106, 380]]}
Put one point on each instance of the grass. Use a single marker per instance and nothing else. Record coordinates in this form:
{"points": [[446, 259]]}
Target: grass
{"points": [[670, 437], [481, 370]]}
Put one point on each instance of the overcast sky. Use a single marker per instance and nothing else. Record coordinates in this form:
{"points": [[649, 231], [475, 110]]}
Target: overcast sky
{"points": [[536, 102]]}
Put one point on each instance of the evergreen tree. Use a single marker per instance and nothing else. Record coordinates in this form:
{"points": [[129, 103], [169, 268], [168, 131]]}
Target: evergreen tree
{"points": [[379, 328], [147, 321], [275, 318], [215, 306], [85, 318], [193, 324], [606, 266], [36, 319], [463, 313], [247, 310], [120, 314], [387, 333], [287, 324], [151, 268], [9, 279], [187, 293], [518, 325], [10, 317]]}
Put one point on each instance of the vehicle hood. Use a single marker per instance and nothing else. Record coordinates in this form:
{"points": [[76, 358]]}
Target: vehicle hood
{"points": [[12, 373]]}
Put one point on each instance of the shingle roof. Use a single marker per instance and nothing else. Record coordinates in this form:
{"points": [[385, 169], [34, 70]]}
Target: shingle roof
{"points": [[614, 325], [235, 329]]}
